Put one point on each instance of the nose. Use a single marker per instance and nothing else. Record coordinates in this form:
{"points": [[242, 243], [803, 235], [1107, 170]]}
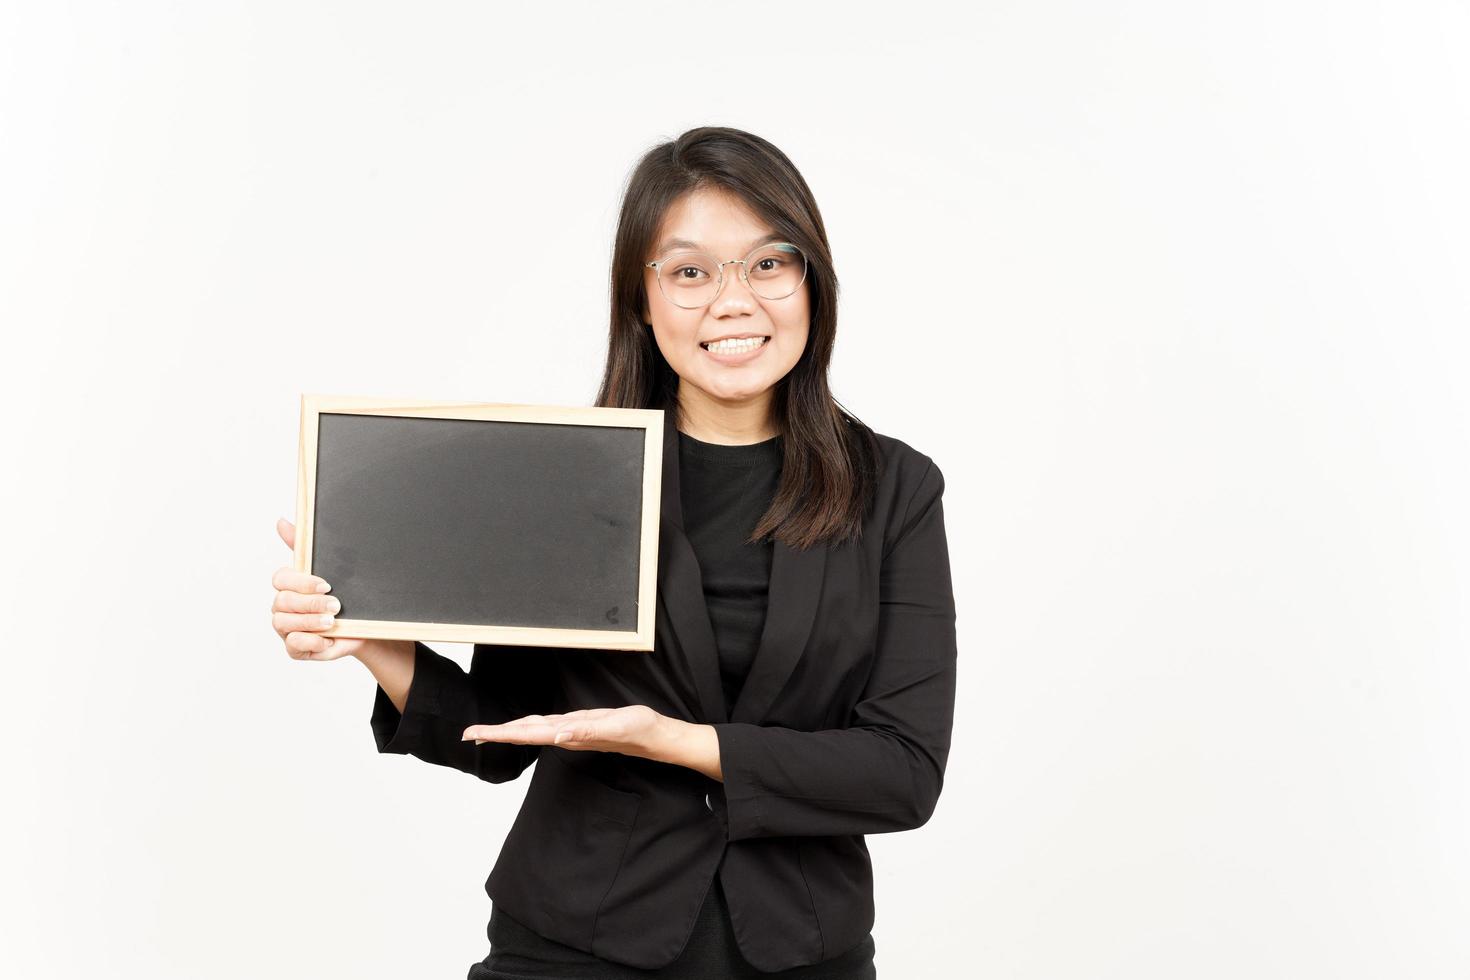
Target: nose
{"points": [[734, 292]]}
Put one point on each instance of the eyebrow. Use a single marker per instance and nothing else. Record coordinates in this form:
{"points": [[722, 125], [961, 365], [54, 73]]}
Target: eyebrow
{"points": [[670, 244]]}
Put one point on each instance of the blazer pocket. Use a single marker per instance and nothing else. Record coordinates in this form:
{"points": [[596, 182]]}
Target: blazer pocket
{"points": [[563, 850]]}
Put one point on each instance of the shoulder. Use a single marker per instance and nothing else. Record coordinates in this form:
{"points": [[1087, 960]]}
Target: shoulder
{"points": [[911, 484], [906, 469]]}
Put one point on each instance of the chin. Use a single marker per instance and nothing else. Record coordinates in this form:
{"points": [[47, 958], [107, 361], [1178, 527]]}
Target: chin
{"points": [[736, 393]]}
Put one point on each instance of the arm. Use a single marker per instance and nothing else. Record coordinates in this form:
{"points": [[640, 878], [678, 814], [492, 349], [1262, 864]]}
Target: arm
{"points": [[884, 772], [504, 682]]}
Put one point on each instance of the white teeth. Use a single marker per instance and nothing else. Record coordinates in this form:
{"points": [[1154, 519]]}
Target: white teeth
{"points": [[735, 346]]}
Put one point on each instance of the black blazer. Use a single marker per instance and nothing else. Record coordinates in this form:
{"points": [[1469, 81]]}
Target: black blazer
{"points": [[842, 728]]}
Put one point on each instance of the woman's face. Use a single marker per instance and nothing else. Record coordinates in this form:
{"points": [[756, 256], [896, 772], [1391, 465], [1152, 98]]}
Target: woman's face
{"points": [[720, 224]]}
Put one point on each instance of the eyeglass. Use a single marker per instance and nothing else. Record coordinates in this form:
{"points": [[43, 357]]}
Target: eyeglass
{"points": [[693, 279]]}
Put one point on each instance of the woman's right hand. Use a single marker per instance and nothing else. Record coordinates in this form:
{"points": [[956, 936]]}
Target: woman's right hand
{"points": [[302, 608]]}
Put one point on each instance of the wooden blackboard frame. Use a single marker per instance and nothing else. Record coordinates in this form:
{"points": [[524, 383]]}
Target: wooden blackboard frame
{"points": [[641, 639]]}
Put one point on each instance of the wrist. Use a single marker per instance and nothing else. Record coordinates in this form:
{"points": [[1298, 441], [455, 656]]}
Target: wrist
{"points": [[667, 739], [688, 744], [662, 739], [370, 652]]}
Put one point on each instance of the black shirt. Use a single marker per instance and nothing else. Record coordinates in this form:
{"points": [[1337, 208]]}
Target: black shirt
{"points": [[724, 491]]}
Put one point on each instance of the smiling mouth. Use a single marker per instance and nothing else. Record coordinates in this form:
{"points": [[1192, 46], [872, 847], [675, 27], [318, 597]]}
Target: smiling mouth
{"points": [[736, 346]]}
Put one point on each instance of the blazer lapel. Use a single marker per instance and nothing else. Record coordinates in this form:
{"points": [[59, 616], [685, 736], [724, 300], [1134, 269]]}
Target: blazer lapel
{"points": [[681, 588], [791, 606]]}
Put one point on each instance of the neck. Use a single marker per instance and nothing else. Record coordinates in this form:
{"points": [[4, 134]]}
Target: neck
{"points": [[726, 423]]}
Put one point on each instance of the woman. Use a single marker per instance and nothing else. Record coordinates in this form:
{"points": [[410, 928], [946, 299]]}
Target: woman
{"points": [[700, 811]]}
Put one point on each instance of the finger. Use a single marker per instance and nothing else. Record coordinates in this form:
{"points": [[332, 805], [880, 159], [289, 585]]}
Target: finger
{"points": [[297, 602], [306, 646], [515, 727], [287, 531], [530, 730], [285, 622], [576, 726], [289, 579], [578, 714]]}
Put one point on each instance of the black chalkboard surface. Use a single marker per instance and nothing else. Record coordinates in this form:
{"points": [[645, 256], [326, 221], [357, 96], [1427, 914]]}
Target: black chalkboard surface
{"points": [[482, 522]]}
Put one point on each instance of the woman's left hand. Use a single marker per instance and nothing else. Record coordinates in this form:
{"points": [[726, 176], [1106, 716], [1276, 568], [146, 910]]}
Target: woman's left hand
{"points": [[635, 730]]}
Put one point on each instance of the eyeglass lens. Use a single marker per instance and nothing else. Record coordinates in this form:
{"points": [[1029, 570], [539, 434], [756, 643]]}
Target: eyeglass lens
{"points": [[690, 279]]}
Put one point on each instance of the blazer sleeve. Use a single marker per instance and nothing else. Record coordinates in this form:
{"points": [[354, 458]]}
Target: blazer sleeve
{"points": [[885, 770], [504, 683]]}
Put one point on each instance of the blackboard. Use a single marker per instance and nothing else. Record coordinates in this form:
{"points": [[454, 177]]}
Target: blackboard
{"points": [[482, 522]]}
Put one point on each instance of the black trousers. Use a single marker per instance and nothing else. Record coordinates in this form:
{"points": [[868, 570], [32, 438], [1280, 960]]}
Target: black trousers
{"points": [[518, 953]]}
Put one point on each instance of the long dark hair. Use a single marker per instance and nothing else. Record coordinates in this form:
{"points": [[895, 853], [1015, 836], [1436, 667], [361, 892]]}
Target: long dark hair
{"points": [[831, 463]]}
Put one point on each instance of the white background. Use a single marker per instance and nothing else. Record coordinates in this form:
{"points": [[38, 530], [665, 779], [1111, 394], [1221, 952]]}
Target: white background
{"points": [[1175, 294]]}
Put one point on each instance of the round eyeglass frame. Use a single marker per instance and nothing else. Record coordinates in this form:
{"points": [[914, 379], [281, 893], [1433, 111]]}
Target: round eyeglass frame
{"points": [[657, 268]]}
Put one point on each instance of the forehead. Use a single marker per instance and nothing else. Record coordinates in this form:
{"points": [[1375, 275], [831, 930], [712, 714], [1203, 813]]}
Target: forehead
{"points": [[713, 220]]}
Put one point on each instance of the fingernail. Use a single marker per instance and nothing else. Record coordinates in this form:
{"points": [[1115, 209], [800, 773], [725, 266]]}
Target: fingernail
{"points": [[329, 640], [326, 621], [323, 587], [334, 604]]}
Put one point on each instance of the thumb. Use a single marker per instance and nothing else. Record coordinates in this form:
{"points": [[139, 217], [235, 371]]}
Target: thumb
{"points": [[287, 531]]}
